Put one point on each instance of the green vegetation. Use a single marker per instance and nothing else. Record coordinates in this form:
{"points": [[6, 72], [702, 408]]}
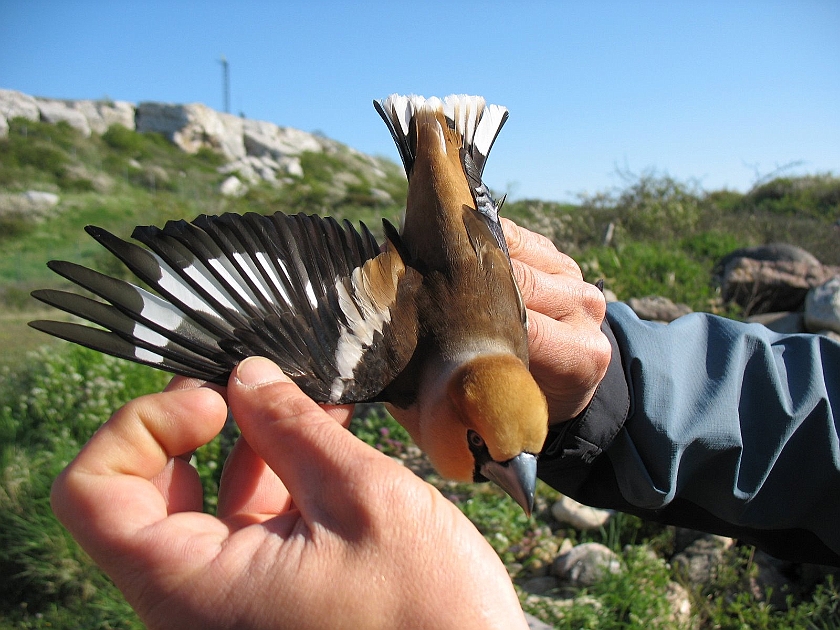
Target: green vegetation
{"points": [[665, 238]]}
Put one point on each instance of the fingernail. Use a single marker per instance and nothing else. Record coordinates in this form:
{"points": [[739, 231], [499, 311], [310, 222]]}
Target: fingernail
{"points": [[255, 371]]}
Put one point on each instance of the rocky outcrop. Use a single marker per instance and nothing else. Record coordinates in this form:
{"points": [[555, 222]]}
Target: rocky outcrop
{"points": [[86, 116], [255, 150], [18, 105], [102, 114], [193, 127], [62, 111]]}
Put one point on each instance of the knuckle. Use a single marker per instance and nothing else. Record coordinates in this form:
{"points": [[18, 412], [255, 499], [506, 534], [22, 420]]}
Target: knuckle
{"points": [[593, 301]]}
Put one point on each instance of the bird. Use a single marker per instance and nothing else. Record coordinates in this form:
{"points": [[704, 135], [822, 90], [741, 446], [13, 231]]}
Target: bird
{"points": [[431, 322]]}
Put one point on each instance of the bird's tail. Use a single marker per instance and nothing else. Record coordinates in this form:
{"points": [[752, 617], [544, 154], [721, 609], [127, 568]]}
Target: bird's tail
{"points": [[477, 123]]}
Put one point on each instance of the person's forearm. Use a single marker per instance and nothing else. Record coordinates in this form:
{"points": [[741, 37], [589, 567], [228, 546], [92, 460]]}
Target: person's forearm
{"points": [[729, 428]]}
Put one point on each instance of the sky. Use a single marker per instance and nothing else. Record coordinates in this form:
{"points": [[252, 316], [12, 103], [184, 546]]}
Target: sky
{"points": [[719, 94]]}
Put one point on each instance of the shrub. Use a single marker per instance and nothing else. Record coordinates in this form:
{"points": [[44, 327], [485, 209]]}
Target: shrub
{"points": [[123, 139]]}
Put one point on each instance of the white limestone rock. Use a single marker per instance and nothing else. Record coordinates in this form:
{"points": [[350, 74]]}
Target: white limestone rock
{"points": [[54, 111], [233, 187], [192, 127], [265, 138], [579, 516], [15, 104], [103, 113]]}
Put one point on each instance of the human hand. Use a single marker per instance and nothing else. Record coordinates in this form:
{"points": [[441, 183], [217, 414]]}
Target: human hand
{"points": [[314, 529], [569, 354]]}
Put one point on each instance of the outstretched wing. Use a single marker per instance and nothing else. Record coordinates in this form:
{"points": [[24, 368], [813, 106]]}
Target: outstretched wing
{"points": [[317, 297]]}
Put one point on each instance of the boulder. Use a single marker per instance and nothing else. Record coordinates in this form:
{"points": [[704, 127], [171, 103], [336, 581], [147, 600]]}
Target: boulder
{"points": [[18, 105], [657, 308], [233, 187], [701, 561], [586, 564], [102, 114], [766, 286], [53, 111], [193, 127], [772, 252], [579, 516], [265, 138], [822, 307]]}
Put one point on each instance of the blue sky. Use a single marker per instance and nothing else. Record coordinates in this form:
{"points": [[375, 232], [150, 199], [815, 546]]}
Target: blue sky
{"points": [[717, 92]]}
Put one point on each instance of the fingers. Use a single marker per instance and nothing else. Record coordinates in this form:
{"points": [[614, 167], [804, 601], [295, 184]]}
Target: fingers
{"points": [[556, 295], [318, 460], [109, 491], [249, 489], [567, 361], [568, 352], [538, 251]]}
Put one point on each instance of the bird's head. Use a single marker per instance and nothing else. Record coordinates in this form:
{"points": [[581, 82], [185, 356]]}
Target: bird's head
{"points": [[503, 423]]}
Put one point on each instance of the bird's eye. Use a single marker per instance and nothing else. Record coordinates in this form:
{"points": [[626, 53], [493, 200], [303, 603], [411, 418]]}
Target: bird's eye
{"points": [[475, 439]]}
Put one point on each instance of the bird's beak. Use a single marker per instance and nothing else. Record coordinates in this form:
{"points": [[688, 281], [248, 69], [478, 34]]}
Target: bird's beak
{"points": [[516, 476]]}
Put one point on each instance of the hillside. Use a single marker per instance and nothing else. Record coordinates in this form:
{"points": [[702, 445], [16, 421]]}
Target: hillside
{"points": [[64, 165]]}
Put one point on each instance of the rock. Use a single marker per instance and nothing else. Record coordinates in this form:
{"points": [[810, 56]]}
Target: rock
{"points": [[40, 199], [772, 252], [103, 113], [658, 309], [784, 322], [579, 516], [18, 105], [822, 307], [32, 205], [586, 564], [233, 187], [680, 601], [265, 138], [536, 624], [699, 562], [53, 111], [767, 286], [193, 127], [293, 167], [4, 127]]}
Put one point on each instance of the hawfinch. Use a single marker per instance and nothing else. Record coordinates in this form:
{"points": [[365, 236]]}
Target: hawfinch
{"points": [[432, 324]]}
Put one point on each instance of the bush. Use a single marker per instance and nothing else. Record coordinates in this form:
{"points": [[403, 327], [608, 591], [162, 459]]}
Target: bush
{"points": [[124, 140], [651, 206], [814, 195]]}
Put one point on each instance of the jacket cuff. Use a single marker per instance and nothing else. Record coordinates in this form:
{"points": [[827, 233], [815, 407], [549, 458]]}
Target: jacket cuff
{"points": [[587, 435]]}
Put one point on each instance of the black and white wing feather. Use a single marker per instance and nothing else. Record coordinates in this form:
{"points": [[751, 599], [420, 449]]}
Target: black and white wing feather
{"points": [[315, 296]]}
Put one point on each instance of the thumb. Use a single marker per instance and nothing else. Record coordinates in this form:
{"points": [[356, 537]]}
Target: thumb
{"points": [[311, 453]]}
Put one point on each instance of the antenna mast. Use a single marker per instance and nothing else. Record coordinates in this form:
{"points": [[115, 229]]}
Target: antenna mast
{"points": [[225, 83]]}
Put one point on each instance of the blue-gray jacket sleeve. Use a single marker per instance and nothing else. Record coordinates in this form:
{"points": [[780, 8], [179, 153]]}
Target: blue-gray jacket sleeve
{"points": [[715, 425]]}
